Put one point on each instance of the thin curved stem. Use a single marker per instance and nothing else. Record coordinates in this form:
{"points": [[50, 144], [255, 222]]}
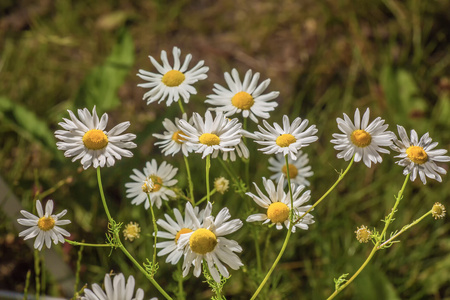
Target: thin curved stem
{"points": [[208, 166], [191, 184], [341, 176], [155, 229], [122, 247], [180, 103], [377, 244], [74, 243]]}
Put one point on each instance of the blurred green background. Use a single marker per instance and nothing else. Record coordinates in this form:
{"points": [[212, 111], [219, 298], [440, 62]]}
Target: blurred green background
{"points": [[325, 58]]}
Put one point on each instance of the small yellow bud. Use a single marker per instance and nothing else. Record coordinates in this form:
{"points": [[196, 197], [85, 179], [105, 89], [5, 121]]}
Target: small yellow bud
{"points": [[221, 184], [131, 231], [363, 234], [438, 211]]}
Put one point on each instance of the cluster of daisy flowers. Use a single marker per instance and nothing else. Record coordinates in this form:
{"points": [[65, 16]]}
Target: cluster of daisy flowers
{"points": [[195, 236]]}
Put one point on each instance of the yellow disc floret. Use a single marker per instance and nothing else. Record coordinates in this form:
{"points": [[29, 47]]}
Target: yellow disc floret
{"points": [[361, 138], [182, 230], [285, 140], [177, 137], [278, 212], [202, 241], [243, 100], [46, 223], [95, 139], [157, 183], [173, 78], [417, 155], [131, 231], [209, 139], [293, 171]]}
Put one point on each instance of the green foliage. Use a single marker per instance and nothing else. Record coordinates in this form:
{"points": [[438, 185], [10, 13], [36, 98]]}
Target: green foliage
{"points": [[101, 85], [340, 281]]}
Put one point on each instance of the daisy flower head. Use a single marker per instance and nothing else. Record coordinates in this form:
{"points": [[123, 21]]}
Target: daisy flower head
{"points": [[172, 141], [287, 139], [117, 288], [418, 155], [243, 97], [207, 242], [361, 139], [172, 82], [44, 226], [154, 181], [85, 138], [212, 134], [278, 205], [174, 229], [298, 169]]}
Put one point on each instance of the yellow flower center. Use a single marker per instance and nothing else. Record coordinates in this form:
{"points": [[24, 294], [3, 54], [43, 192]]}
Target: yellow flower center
{"points": [[202, 241], [417, 155], [173, 78], [361, 138], [285, 140], [209, 139], [278, 212], [157, 184], [95, 139], [46, 223], [177, 137], [243, 100], [293, 171], [182, 230]]}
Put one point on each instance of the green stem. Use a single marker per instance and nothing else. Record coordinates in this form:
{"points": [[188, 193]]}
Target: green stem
{"points": [[286, 240], [77, 273], [191, 184], [122, 247], [403, 230], [257, 250], [205, 197], [378, 243], [180, 103], [102, 195], [180, 283], [229, 172], [86, 244], [37, 270], [155, 229], [208, 166], [27, 285], [341, 176]]}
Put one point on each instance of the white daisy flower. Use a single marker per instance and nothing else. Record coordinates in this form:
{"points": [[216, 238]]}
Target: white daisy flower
{"points": [[362, 139], [170, 82], [45, 226], [87, 139], [298, 169], [207, 242], [246, 97], [172, 139], [114, 289], [175, 228], [157, 181], [286, 140], [211, 135], [278, 205], [418, 156]]}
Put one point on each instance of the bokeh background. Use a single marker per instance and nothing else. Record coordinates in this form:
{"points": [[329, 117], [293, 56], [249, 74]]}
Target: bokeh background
{"points": [[325, 57]]}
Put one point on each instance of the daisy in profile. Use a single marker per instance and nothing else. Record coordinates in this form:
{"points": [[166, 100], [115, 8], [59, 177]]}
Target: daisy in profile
{"points": [[278, 205], [172, 83], [286, 140], [85, 138], [362, 139], [418, 157], [207, 242], [172, 141], [115, 289], [45, 226], [243, 97], [175, 228], [157, 181], [298, 169], [211, 135]]}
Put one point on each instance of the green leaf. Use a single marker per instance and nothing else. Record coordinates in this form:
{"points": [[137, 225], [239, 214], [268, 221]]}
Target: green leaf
{"points": [[101, 85]]}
